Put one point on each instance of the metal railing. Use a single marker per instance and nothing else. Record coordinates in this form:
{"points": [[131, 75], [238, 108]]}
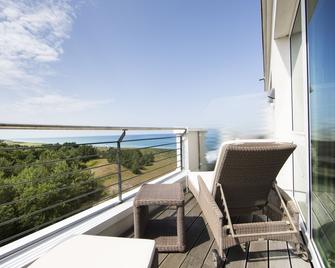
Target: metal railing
{"points": [[41, 184]]}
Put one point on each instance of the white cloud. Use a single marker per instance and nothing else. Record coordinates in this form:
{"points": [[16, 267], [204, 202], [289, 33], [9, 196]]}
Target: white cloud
{"points": [[240, 115], [51, 109], [31, 35], [57, 103]]}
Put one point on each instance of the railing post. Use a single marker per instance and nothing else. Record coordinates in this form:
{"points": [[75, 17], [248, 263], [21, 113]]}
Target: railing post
{"points": [[181, 151], [118, 162], [195, 150]]}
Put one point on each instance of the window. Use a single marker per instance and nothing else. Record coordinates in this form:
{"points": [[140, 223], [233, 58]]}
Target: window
{"points": [[298, 118], [321, 43]]}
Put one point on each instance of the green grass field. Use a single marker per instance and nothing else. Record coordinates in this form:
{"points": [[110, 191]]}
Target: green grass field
{"points": [[165, 161], [21, 143]]}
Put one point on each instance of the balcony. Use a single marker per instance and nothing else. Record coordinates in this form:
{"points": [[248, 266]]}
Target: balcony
{"points": [[200, 243], [93, 186]]}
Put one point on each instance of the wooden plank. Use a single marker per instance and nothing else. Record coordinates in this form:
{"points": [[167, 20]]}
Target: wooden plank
{"points": [[278, 255], [258, 254], [191, 211], [208, 262], [200, 243], [258, 250], [296, 261], [237, 256], [198, 253], [190, 203], [192, 235], [162, 212]]}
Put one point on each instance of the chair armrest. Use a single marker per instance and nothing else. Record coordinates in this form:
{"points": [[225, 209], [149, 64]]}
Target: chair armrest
{"points": [[289, 202], [291, 207], [275, 211], [210, 210]]}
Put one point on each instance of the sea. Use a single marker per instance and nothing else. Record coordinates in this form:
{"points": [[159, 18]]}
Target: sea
{"points": [[213, 139], [254, 121]]}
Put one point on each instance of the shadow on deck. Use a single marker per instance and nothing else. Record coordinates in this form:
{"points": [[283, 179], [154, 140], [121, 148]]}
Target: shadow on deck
{"points": [[200, 243]]}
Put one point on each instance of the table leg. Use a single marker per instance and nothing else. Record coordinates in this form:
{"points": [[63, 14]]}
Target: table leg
{"points": [[141, 215], [181, 228], [137, 221]]}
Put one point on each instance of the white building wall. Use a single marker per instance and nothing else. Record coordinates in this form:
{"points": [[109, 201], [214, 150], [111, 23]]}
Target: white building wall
{"points": [[277, 72], [281, 82]]}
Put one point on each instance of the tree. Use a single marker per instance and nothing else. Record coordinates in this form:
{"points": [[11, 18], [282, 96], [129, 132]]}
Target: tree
{"points": [[40, 185], [7, 194], [132, 159]]}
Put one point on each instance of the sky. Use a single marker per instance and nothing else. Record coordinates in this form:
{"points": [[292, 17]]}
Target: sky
{"points": [[193, 63]]}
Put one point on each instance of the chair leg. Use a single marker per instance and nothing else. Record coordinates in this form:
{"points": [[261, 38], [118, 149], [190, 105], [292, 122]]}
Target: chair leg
{"points": [[187, 190], [217, 259], [302, 251]]}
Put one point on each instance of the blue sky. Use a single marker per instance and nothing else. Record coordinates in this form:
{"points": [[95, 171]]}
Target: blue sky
{"points": [[131, 62]]}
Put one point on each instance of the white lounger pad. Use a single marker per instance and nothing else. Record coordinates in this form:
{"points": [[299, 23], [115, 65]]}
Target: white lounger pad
{"points": [[207, 176], [99, 252]]}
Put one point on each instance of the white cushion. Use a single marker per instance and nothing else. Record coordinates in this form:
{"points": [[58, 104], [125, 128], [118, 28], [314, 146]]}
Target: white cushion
{"points": [[99, 251], [207, 176]]}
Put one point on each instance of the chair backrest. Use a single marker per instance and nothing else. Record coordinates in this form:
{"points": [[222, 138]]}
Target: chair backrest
{"points": [[246, 169]]}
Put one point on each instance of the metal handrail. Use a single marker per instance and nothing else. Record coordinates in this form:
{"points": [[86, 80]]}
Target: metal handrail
{"points": [[43, 179], [176, 150], [31, 198], [152, 139], [152, 170], [78, 127], [134, 186], [158, 145]]}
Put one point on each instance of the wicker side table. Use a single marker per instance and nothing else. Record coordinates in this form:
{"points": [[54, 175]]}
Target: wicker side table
{"points": [[169, 234]]}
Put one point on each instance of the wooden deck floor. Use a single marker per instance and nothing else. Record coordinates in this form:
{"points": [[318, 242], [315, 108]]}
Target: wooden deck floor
{"points": [[200, 243]]}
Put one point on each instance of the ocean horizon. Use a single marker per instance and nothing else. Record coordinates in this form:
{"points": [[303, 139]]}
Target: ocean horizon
{"points": [[165, 141], [213, 138]]}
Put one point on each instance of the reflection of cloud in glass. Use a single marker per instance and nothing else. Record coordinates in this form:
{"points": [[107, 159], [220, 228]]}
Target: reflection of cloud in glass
{"points": [[323, 112]]}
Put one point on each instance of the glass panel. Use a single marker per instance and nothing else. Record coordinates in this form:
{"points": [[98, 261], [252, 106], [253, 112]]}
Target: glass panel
{"points": [[297, 79], [299, 156], [321, 36]]}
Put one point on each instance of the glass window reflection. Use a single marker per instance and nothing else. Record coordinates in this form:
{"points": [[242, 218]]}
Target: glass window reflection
{"points": [[321, 42]]}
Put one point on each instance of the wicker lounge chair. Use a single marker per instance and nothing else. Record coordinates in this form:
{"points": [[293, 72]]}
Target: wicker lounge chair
{"points": [[244, 183]]}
